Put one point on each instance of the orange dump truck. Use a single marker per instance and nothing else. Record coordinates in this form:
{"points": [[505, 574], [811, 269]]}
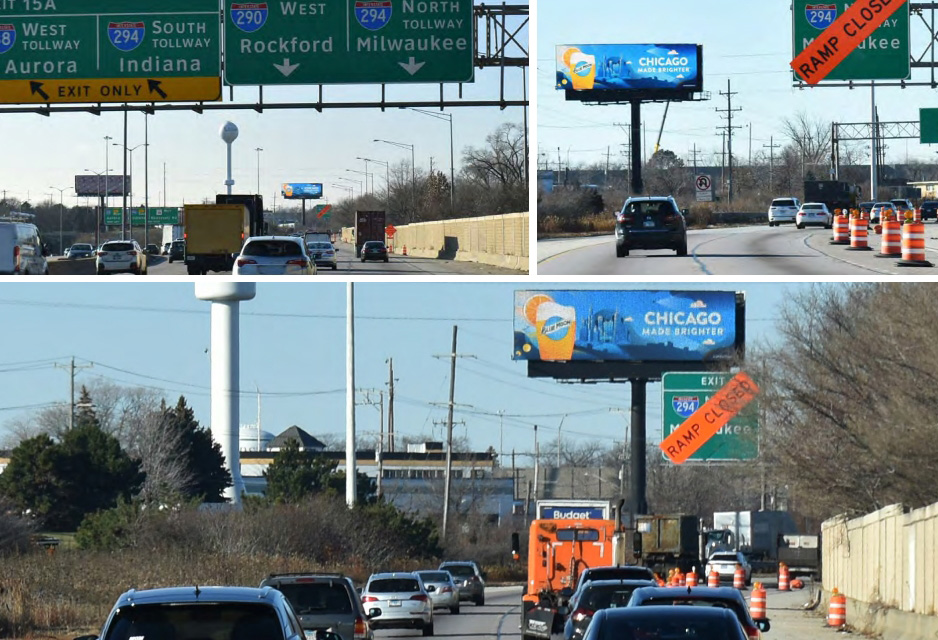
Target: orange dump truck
{"points": [[558, 551]]}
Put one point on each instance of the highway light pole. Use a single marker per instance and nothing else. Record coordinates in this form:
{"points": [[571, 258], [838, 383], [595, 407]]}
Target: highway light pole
{"points": [[387, 177], [61, 212], [131, 176], [413, 172], [358, 182], [97, 225], [366, 174], [452, 174], [258, 149]]}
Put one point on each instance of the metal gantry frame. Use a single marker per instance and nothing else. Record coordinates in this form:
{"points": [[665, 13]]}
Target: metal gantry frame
{"points": [[863, 131], [502, 48], [926, 60]]}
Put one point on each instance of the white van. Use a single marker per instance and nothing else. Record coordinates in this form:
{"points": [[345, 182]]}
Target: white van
{"points": [[21, 250]]}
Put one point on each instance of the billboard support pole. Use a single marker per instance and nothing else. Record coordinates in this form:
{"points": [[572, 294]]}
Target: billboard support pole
{"points": [[636, 136], [638, 503]]}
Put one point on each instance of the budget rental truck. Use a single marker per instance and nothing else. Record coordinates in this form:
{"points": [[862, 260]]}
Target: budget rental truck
{"points": [[214, 234]]}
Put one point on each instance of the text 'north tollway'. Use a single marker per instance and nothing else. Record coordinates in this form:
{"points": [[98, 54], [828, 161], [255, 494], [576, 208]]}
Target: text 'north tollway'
{"points": [[349, 41]]}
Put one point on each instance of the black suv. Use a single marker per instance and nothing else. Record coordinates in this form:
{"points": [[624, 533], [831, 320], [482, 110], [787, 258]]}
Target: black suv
{"points": [[650, 223], [177, 250], [324, 601], [930, 210]]}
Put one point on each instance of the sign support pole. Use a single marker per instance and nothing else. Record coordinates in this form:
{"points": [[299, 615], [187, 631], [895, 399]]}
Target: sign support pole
{"points": [[874, 138], [637, 503], [637, 184]]}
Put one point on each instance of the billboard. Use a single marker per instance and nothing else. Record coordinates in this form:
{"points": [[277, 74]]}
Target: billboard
{"points": [[630, 68], [301, 190], [633, 326], [88, 186]]}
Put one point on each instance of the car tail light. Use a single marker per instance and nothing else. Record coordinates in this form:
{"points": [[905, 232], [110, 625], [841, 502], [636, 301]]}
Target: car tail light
{"points": [[624, 219], [420, 597], [582, 614], [369, 599], [102, 253], [16, 258], [668, 219], [361, 629], [446, 590], [752, 632], [244, 261], [299, 263], [131, 253]]}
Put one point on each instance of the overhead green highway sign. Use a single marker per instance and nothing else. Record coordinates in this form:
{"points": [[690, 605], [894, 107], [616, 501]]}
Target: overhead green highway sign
{"points": [[882, 56], [683, 393], [109, 51], [113, 216], [349, 41]]}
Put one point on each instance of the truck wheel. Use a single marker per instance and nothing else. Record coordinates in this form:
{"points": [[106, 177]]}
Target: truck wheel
{"points": [[192, 270], [480, 601]]}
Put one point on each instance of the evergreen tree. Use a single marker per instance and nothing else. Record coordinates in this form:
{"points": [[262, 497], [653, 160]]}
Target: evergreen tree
{"points": [[295, 475], [29, 480], [204, 459]]}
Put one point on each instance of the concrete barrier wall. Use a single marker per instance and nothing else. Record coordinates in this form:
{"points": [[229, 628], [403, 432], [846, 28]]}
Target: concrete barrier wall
{"points": [[886, 564], [501, 240]]}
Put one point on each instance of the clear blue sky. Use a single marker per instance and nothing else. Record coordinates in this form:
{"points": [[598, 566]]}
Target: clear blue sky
{"points": [[298, 145], [293, 348], [748, 42]]}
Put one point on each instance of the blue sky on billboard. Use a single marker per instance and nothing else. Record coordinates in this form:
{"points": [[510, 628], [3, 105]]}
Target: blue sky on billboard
{"points": [[156, 337], [624, 325], [628, 66], [301, 190]]}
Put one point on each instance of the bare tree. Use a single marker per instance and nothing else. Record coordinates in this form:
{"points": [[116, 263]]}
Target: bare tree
{"points": [[160, 452], [812, 139]]}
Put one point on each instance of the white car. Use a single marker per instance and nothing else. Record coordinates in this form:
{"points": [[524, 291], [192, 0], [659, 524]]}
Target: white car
{"points": [[814, 213], [724, 563], [783, 210], [115, 256], [441, 588], [398, 601], [323, 254], [274, 256]]}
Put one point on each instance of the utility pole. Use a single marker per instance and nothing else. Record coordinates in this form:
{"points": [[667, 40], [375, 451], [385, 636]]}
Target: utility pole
{"points": [[695, 153], [71, 387], [350, 443], [606, 175], [728, 128], [537, 459], [771, 147], [449, 436], [391, 405]]}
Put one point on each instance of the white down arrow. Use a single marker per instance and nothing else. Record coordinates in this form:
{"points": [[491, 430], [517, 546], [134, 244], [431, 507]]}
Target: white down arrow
{"points": [[411, 66], [286, 68]]}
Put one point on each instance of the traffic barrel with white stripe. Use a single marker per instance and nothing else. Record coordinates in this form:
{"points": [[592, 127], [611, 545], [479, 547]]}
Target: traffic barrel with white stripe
{"points": [[858, 235], [891, 244], [757, 602], [913, 246], [782, 576], [837, 610], [841, 230]]}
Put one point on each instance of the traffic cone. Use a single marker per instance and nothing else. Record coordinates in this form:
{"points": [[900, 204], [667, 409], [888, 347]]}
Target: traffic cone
{"points": [[739, 578], [405, 249], [690, 579], [837, 610], [757, 602], [783, 577], [713, 579]]}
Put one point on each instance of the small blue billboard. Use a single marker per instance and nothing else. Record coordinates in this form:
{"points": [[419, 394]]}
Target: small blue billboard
{"points": [[626, 325], [301, 190], [630, 67]]}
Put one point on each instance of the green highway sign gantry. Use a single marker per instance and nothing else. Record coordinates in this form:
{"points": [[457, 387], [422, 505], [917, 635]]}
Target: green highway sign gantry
{"points": [[349, 41], [883, 56], [683, 393], [113, 216], [109, 51]]}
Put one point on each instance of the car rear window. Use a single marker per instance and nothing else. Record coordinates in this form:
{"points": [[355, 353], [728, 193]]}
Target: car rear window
{"points": [[783, 202], [117, 246], [620, 573], [230, 620], [312, 598], [435, 576], [724, 557], [813, 207], [606, 597], [666, 629], [460, 570], [376, 244], [271, 248], [82, 247], [653, 207], [394, 585]]}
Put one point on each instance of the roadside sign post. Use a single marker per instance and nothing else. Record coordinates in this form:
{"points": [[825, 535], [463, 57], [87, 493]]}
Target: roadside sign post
{"points": [[704, 188], [348, 41], [705, 417], [65, 51], [850, 40]]}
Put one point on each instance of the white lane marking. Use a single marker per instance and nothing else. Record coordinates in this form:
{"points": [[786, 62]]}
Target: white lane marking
{"points": [[501, 621]]}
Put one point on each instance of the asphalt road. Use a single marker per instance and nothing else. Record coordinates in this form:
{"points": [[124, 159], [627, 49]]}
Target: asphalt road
{"points": [[735, 251], [397, 265], [500, 617]]}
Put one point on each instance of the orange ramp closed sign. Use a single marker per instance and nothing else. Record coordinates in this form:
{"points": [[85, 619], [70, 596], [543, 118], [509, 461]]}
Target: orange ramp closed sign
{"points": [[704, 423]]}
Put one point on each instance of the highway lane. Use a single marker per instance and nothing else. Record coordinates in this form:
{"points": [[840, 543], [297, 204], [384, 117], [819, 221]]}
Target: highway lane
{"points": [[755, 250], [397, 265], [500, 618]]}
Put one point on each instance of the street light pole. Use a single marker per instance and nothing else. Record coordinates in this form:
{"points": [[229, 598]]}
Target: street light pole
{"points": [[387, 177], [366, 174], [452, 171], [258, 149], [413, 170], [131, 175], [100, 207], [107, 169], [61, 212]]}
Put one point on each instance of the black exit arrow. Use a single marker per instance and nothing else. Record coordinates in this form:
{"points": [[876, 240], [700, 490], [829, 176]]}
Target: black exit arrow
{"points": [[36, 87], [154, 85]]}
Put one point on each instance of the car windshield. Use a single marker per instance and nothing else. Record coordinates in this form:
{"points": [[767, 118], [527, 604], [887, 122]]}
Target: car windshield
{"points": [[316, 597], [460, 570], [783, 203], [435, 576], [650, 207], [394, 585], [117, 246], [230, 620], [271, 248]]}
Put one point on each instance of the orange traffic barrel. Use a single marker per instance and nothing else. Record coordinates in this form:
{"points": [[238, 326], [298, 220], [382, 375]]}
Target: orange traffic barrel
{"points": [[713, 579], [739, 578], [690, 579], [891, 244], [858, 235], [757, 602], [916, 215], [782, 577], [841, 230], [676, 579], [913, 246], [837, 610]]}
